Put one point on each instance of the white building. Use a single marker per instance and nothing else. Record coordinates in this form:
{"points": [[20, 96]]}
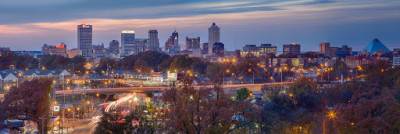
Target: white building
{"points": [[213, 37]]}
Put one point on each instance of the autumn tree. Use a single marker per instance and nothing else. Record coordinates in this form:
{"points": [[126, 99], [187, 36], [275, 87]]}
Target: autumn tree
{"points": [[6, 59], [78, 64], [181, 62], [205, 110], [370, 110], [30, 100], [105, 64]]}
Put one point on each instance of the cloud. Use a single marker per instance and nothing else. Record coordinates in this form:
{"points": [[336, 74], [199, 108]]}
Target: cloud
{"points": [[252, 21]]}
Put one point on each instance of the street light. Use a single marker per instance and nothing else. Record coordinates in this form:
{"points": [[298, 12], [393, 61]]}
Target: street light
{"points": [[331, 114]]}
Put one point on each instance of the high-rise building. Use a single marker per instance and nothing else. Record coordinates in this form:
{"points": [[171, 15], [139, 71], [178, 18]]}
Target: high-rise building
{"points": [[192, 43], [218, 49], [85, 39], [153, 42], [127, 42], [172, 44], [140, 46], [324, 48], [291, 49], [205, 48], [114, 47], [213, 36], [60, 50], [99, 52]]}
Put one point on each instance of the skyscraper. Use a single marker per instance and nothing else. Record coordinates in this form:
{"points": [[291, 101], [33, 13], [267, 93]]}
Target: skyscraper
{"points": [[114, 47], [213, 37], [139, 46], [153, 42], [127, 42], [192, 43], [172, 45], [85, 39], [324, 48]]}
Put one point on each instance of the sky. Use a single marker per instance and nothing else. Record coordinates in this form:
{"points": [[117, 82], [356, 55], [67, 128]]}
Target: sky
{"points": [[28, 24]]}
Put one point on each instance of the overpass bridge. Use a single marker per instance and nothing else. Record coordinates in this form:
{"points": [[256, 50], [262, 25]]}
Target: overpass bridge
{"points": [[261, 87], [265, 87]]}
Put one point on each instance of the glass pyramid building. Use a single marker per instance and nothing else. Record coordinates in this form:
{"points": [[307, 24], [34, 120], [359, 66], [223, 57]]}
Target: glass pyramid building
{"points": [[375, 46]]}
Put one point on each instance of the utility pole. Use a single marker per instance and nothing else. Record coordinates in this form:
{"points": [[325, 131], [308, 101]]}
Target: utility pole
{"points": [[42, 118]]}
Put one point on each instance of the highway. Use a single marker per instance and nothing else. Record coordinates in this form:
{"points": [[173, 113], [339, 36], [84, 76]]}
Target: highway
{"points": [[156, 88]]}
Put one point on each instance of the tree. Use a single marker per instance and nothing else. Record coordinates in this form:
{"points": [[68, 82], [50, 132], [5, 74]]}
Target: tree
{"points": [[106, 64], [214, 72], [340, 68], [128, 62], [112, 122], [6, 60], [397, 84], [181, 62], [31, 100], [242, 94], [205, 110], [303, 85], [78, 64], [369, 111], [153, 58]]}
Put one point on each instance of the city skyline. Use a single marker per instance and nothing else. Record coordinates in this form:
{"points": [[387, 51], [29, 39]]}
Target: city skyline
{"points": [[304, 22]]}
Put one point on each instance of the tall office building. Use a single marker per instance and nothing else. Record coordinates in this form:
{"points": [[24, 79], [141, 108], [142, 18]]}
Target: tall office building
{"points": [[205, 48], [153, 43], [140, 46], [85, 39], [114, 47], [213, 37], [172, 44], [291, 49], [127, 42], [324, 48], [192, 43], [218, 49]]}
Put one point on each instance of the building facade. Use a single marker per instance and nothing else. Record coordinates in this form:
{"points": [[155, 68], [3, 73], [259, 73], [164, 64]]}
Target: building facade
{"points": [[140, 45], [262, 50], [218, 49], [127, 42], [74, 52], [153, 42], [114, 47], [192, 43], [396, 56], [213, 36], [100, 52], [324, 48], [85, 39], [172, 44], [60, 50], [291, 49]]}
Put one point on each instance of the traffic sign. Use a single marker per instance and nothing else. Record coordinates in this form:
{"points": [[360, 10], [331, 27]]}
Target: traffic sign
{"points": [[56, 108]]}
